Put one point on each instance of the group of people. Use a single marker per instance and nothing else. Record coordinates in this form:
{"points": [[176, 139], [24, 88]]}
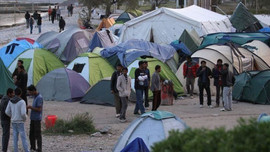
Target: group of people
{"points": [[33, 19], [14, 111], [121, 88], [55, 13], [223, 81]]}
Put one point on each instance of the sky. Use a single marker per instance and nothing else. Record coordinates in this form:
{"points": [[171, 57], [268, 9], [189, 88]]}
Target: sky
{"points": [[36, 1]]}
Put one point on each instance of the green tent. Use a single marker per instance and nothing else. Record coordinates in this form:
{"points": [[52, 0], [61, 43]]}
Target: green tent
{"points": [[6, 80], [191, 40], [124, 17], [253, 87], [243, 20], [166, 73], [37, 62], [92, 67]]}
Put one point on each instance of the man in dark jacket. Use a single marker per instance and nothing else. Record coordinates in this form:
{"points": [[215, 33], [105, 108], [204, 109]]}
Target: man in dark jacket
{"points": [[140, 77], [218, 80], [39, 22], [114, 90], [62, 24], [21, 82], [53, 14], [204, 73], [228, 81], [35, 16], [146, 84], [5, 119], [27, 17]]}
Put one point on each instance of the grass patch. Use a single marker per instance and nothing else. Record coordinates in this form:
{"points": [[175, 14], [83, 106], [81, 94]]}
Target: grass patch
{"points": [[77, 124]]}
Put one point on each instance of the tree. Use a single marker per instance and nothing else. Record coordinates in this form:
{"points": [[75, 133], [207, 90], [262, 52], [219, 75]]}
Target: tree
{"points": [[156, 3], [90, 4]]}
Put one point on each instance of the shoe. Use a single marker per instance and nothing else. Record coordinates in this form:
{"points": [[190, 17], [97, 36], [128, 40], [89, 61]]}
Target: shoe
{"points": [[201, 106], [216, 106], [210, 106], [222, 109], [123, 120], [117, 115], [136, 113], [191, 97]]}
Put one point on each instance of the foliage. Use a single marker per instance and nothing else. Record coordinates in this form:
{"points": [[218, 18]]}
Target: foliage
{"points": [[248, 136], [79, 124]]}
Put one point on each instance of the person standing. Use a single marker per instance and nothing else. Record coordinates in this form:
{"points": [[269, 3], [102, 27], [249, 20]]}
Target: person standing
{"points": [[114, 90], [21, 82], [58, 13], [146, 85], [35, 16], [71, 9], [189, 72], [156, 88], [68, 9], [31, 24], [124, 88], [39, 22], [53, 14], [140, 77], [228, 81], [5, 119], [16, 109], [50, 12], [15, 73], [27, 17], [62, 24], [35, 117], [204, 73], [218, 80]]}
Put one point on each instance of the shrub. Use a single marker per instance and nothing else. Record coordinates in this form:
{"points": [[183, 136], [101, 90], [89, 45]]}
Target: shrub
{"points": [[248, 136], [78, 124]]}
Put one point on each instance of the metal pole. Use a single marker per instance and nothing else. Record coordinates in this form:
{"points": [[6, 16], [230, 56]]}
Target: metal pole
{"points": [[177, 3], [256, 6], [185, 3]]}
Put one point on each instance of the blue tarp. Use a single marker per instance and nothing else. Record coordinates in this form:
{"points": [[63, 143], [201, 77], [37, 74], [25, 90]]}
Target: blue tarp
{"points": [[129, 51], [95, 42], [180, 46], [137, 145], [14, 48], [266, 29]]}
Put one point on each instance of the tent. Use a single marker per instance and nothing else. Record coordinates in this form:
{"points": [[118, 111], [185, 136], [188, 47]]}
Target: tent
{"points": [[259, 48], [124, 17], [180, 76], [37, 63], [45, 38], [6, 80], [264, 19], [129, 51], [238, 38], [94, 95], [253, 87], [151, 127], [92, 67], [165, 25], [105, 23], [166, 73], [243, 20], [239, 58], [137, 145], [63, 85], [68, 44], [104, 39], [14, 48], [266, 29], [190, 39]]}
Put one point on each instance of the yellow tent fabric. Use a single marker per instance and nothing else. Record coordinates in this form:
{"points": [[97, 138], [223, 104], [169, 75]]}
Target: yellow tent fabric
{"points": [[105, 23]]}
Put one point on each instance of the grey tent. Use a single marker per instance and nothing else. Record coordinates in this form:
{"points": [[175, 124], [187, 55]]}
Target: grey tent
{"points": [[45, 38], [100, 94], [68, 44]]}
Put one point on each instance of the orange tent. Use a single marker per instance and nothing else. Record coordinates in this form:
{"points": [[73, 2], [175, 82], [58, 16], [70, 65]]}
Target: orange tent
{"points": [[105, 23]]}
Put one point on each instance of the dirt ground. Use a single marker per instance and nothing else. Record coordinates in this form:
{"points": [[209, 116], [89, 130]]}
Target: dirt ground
{"points": [[187, 109]]}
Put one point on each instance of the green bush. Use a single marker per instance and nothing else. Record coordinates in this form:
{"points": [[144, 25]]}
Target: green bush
{"points": [[248, 136], [78, 124]]}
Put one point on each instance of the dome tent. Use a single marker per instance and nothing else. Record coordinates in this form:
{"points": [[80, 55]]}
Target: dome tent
{"points": [[6, 80], [92, 67], [152, 127], [37, 63], [62, 84]]}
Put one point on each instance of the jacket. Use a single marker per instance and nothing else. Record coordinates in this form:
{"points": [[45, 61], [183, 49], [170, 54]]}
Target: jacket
{"points": [[200, 73], [227, 78], [124, 86], [27, 16], [39, 21], [62, 23], [155, 83], [114, 77], [139, 84], [22, 80], [194, 68], [16, 109], [4, 103], [216, 72]]}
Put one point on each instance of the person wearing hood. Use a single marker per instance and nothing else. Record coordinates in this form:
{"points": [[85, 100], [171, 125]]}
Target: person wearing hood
{"points": [[5, 119], [16, 110], [62, 24]]}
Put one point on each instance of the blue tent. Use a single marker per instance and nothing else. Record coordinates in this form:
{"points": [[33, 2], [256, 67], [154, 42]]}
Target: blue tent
{"points": [[137, 145], [266, 29], [14, 48], [102, 39], [129, 51]]}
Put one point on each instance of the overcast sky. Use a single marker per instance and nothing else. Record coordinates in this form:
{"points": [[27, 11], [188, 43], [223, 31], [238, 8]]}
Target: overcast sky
{"points": [[36, 1]]}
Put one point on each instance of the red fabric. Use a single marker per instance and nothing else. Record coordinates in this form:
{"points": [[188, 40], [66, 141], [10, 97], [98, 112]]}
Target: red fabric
{"points": [[27, 39], [194, 68]]}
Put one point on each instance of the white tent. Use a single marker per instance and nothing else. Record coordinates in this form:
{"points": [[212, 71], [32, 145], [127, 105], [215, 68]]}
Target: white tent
{"points": [[165, 25], [264, 19]]}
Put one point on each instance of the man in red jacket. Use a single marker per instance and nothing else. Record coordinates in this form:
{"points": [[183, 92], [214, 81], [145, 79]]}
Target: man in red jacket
{"points": [[189, 72]]}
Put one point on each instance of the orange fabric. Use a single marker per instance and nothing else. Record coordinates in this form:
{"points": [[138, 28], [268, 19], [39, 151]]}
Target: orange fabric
{"points": [[105, 23]]}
